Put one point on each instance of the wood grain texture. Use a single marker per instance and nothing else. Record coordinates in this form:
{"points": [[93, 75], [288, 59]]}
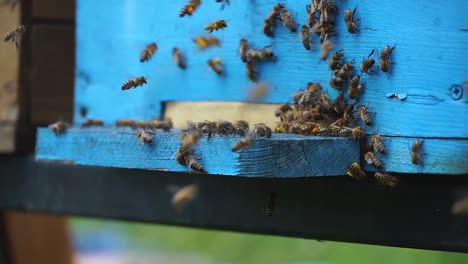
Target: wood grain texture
{"points": [[280, 156], [430, 57]]}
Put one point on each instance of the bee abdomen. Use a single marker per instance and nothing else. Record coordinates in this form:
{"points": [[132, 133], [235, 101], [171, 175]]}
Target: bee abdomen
{"points": [[195, 165]]}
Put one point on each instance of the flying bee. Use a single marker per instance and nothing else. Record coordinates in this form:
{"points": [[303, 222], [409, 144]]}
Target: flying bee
{"points": [[243, 46], [345, 70], [367, 63], [125, 122], [178, 58], [193, 164], [339, 104], [134, 83], [460, 206], [335, 60], [326, 47], [354, 171], [242, 144], [189, 8], [148, 52], [270, 20], [364, 115], [216, 65], [288, 20], [416, 152], [386, 179], [144, 137], [372, 160], [350, 21], [282, 109], [217, 25], [92, 122], [336, 83], [385, 58], [59, 127], [182, 197], [204, 42], [354, 87], [305, 37], [250, 69], [261, 130], [15, 35], [378, 144]]}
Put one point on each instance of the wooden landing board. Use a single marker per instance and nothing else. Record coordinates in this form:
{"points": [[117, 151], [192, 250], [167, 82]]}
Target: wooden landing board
{"points": [[430, 57], [281, 156]]}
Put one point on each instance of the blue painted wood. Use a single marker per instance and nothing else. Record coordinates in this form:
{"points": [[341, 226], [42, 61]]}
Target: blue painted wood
{"points": [[430, 56], [281, 156]]}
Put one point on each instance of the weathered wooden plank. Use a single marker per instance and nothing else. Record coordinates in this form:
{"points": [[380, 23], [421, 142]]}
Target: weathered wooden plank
{"points": [[280, 156], [433, 45]]}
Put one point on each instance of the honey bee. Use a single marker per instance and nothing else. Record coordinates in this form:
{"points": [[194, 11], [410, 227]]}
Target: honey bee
{"points": [[335, 60], [59, 127], [460, 207], [189, 8], [250, 69], [148, 52], [339, 104], [282, 110], [372, 160], [270, 20], [385, 58], [314, 88], [364, 115], [217, 25], [288, 20], [326, 47], [259, 55], [350, 21], [416, 152], [15, 35], [165, 125], [386, 179], [178, 58], [204, 42], [357, 132], [367, 63], [241, 127], [125, 122], [282, 127], [193, 164], [354, 87], [336, 83], [242, 144], [243, 46], [261, 130], [225, 128], [306, 128], [305, 36], [184, 196], [345, 70], [325, 102], [348, 115], [258, 92], [311, 18], [92, 122], [144, 137], [134, 83], [378, 144], [216, 65], [354, 171]]}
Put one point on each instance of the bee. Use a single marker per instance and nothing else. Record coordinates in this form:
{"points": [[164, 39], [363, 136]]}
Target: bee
{"points": [[386, 179], [241, 128], [364, 115], [259, 55], [367, 63], [372, 160], [416, 152], [258, 92], [250, 69], [282, 127], [314, 88], [184, 196], [354, 87], [59, 127], [92, 122], [339, 104], [385, 58], [311, 18], [357, 132], [217, 25], [204, 42], [325, 102], [216, 65], [460, 207], [326, 47], [243, 46], [270, 20], [378, 144], [350, 21], [354, 171], [125, 122], [335, 60], [144, 137], [225, 3], [193, 164], [189, 8], [345, 70], [242, 144], [288, 20], [225, 128], [178, 58], [134, 83], [306, 128], [348, 115], [165, 125], [15, 35], [282, 110], [148, 52], [305, 36], [261, 130], [336, 83]]}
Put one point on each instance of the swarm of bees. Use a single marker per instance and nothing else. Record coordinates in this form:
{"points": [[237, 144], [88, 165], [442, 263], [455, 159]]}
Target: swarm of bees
{"points": [[15, 35]]}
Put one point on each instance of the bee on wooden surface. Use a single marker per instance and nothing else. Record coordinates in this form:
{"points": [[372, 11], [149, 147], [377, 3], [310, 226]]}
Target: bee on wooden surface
{"points": [[225, 128], [217, 25], [311, 18], [354, 171], [92, 122], [178, 58], [325, 102], [378, 144], [335, 60], [243, 46], [204, 42], [345, 70], [336, 83], [306, 128], [314, 88], [189, 8], [134, 83], [258, 92], [305, 37], [385, 58], [350, 21], [244, 143], [372, 160], [282, 109], [193, 164], [288, 20], [326, 47], [386, 179], [216, 65], [182, 197], [241, 127], [165, 124], [282, 127], [15, 35], [270, 20], [144, 137], [354, 87], [259, 55], [321, 130], [348, 114], [339, 104], [416, 152], [261, 130], [367, 63], [250, 69], [59, 127], [148, 52], [125, 122], [364, 115], [357, 132]]}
